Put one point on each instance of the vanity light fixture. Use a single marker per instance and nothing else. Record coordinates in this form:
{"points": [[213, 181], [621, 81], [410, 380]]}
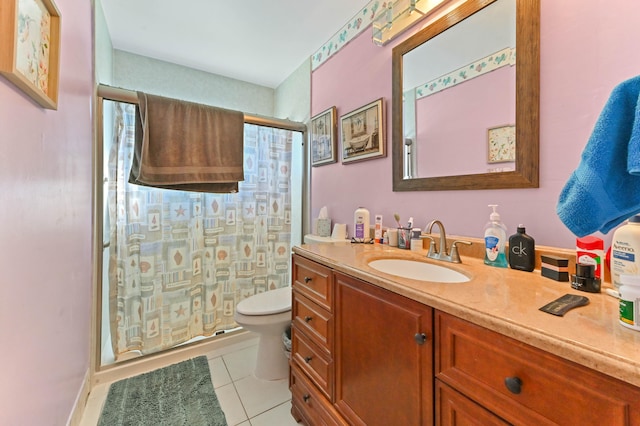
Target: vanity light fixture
{"points": [[399, 15]]}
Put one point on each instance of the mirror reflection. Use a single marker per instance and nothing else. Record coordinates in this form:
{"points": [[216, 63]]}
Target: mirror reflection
{"points": [[464, 115], [459, 97]]}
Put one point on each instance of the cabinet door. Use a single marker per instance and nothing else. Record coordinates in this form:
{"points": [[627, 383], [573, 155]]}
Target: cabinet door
{"points": [[383, 356]]}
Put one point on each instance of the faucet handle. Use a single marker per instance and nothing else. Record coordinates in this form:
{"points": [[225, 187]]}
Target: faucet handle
{"points": [[455, 257], [432, 245]]}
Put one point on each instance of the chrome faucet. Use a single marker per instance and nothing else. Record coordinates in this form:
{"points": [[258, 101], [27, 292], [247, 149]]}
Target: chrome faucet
{"points": [[443, 253]]}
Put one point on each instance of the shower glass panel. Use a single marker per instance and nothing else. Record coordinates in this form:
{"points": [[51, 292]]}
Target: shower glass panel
{"points": [[231, 266]]}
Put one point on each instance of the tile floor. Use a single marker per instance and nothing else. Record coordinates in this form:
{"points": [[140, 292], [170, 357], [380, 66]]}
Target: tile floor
{"points": [[245, 400]]}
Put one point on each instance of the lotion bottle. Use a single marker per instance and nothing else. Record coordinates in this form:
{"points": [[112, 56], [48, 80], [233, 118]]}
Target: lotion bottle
{"points": [[495, 238], [625, 251], [361, 225], [522, 250]]}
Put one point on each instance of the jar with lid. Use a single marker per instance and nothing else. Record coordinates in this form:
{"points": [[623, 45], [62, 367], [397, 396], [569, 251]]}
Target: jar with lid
{"points": [[630, 301]]}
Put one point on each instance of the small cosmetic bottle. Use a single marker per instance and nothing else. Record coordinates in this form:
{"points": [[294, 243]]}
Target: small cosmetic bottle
{"points": [[416, 241]]}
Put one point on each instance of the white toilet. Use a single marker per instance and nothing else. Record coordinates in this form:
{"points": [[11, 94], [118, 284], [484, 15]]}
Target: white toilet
{"points": [[268, 314]]}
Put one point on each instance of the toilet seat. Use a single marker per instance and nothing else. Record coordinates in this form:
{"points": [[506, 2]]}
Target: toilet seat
{"points": [[315, 239], [267, 303]]}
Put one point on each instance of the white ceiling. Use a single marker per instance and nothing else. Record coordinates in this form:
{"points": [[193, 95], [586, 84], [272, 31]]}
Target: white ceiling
{"points": [[258, 41]]}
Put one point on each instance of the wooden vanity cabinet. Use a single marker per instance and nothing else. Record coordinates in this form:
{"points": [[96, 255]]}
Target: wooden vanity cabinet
{"points": [[521, 384], [361, 355], [384, 356], [312, 334]]}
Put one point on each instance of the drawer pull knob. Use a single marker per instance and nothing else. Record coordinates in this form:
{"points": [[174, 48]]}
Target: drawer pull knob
{"points": [[514, 384], [420, 338], [308, 359], [307, 279], [308, 318], [306, 397]]}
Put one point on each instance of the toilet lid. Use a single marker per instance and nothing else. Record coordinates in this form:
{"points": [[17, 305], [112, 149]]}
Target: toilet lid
{"points": [[267, 303]]}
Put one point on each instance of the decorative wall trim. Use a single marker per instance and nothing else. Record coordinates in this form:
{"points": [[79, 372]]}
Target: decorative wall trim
{"points": [[499, 59], [353, 28]]}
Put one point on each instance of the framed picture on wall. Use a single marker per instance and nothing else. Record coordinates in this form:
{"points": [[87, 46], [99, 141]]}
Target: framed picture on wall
{"points": [[30, 30], [501, 144], [324, 138], [363, 135]]}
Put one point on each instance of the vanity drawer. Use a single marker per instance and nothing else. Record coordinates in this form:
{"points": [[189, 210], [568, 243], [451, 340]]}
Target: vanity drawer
{"points": [[525, 385], [312, 361], [313, 280], [312, 320], [454, 409], [308, 403]]}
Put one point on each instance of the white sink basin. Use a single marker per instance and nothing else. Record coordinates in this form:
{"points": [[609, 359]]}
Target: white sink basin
{"points": [[418, 270]]}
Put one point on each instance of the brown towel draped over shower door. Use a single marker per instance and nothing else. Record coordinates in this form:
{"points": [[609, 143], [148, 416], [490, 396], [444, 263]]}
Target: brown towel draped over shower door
{"points": [[187, 146]]}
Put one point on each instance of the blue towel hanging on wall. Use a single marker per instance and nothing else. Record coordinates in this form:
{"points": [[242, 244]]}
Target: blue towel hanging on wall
{"points": [[605, 188]]}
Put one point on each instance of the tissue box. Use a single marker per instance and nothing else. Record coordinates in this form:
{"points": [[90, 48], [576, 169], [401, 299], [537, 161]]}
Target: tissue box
{"points": [[324, 227]]}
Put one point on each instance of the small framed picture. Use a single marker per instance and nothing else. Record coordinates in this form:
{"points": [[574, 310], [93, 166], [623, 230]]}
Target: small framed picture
{"points": [[31, 29], [324, 138], [501, 144], [363, 135]]}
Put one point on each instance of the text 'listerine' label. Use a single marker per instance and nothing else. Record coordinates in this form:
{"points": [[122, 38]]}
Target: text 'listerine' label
{"points": [[627, 312]]}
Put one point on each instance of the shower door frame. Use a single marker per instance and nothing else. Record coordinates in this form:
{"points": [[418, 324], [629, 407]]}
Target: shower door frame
{"points": [[102, 373]]}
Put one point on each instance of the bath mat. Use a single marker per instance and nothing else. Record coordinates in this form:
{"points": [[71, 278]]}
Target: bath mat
{"points": [[180, 394]]}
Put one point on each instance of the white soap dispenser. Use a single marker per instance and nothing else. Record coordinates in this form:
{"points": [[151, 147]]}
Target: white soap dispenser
{"points": [[495, 238]]}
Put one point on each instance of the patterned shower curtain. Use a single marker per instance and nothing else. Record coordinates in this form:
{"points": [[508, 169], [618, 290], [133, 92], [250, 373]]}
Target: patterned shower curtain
{"points": [[181, 261]]}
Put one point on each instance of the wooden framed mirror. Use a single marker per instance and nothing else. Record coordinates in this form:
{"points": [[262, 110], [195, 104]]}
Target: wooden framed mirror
{"points": [[516, 169]]}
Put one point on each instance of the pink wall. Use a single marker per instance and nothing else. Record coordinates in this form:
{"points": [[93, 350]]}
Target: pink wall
{"points": [[45, 236], [453, 123], [585, 52]]}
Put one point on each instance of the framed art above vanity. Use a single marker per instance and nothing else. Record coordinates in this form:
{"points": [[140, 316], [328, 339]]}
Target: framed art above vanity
{"points": [[363, 133], [324, 138]]}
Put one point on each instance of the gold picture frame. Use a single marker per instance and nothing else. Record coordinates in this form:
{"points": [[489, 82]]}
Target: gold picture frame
{"points": [[30, 48], [324, 138], [363, 133]]}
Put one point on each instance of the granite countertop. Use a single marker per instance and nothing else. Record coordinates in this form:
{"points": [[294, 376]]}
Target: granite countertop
{"points": [[506, 301]]}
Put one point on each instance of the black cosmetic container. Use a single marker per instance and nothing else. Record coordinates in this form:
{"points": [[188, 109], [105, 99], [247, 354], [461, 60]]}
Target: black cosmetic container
{"points": [[585, 278]]}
